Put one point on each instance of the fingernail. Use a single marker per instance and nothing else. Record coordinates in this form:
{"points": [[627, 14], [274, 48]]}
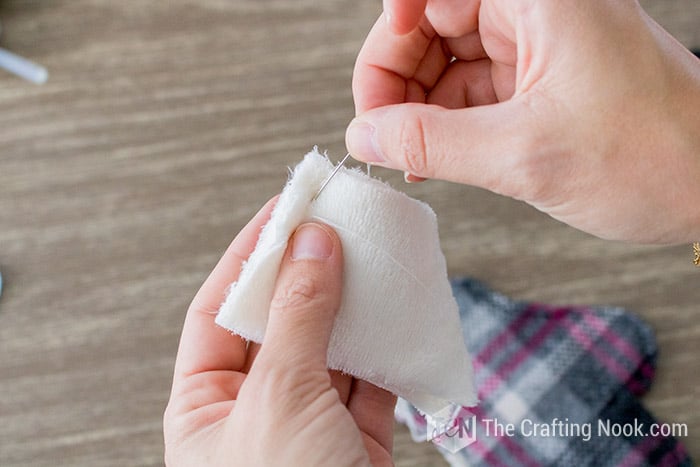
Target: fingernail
{"points": [[408, 177], [311, 241], [362, 142]]}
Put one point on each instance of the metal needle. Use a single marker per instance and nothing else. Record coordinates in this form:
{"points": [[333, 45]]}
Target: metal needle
{"points": [[335, 171]]}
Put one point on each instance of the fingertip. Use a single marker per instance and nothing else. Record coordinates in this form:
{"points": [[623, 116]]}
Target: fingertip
{"points": [[361, 141], [402, 16], [312, 241]]}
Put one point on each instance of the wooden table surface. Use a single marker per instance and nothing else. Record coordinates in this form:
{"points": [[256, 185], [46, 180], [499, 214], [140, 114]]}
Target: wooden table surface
{"points": [[162, 128]]}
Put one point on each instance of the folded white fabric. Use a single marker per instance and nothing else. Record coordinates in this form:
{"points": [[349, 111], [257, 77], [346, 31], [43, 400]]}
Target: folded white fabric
{"points": [[398, 326]]}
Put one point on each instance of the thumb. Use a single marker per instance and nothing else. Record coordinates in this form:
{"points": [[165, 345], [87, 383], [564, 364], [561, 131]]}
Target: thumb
{"points": [[306, 298], [487, 146]]}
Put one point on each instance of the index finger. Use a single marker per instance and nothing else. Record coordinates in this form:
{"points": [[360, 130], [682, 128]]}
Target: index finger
{"points": [[205, 346], [386, 64]]}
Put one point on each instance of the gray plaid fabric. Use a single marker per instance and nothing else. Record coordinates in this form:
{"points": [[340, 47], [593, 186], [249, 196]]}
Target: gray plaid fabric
{"points": [[561, 376]]}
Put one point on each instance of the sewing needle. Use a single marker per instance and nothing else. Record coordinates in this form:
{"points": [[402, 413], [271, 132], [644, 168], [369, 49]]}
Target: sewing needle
{"points": [[335, 171]]}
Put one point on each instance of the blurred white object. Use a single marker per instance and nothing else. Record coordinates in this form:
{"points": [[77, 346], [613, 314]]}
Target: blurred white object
{"points": [[22, 67]]}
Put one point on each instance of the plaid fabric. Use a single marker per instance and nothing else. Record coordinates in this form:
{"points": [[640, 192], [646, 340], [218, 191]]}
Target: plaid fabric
{"points": [[538, 364]]}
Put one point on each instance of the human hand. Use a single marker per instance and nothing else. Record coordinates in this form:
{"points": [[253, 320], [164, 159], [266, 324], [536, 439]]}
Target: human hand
{"points": [[238, 403], [589, 111]]}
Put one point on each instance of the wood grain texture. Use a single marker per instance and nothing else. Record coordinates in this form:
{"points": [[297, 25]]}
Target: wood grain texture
{"points": [[162, 129]]}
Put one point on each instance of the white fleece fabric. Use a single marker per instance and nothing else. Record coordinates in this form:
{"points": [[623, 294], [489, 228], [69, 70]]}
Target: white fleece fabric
{"points": [[398, 326]]}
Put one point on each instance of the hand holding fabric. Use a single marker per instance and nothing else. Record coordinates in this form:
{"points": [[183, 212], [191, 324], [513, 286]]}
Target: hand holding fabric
{"points": [[235, 403]]}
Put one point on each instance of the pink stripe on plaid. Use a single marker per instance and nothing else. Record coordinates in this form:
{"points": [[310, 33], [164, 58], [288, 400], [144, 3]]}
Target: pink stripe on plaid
{"points": [[617, 341], [490, 384], [624, 347], [496, 378], [484, 357], [578, 333], [508, 333]]}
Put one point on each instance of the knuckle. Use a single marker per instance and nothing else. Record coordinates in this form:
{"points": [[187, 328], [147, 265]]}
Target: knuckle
{"points": [[292, 387], [413, 144], [298, 293]]}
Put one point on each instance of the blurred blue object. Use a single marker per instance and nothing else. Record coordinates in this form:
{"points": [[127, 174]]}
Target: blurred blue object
{"points": [[22, 67]]}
